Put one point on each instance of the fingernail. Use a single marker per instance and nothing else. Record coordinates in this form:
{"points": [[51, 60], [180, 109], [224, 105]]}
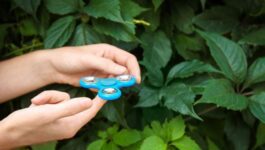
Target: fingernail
{"points": [[86, 102]]}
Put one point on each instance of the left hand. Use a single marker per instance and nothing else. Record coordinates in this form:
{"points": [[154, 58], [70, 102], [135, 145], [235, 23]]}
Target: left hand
{"points": [[69, 64]]}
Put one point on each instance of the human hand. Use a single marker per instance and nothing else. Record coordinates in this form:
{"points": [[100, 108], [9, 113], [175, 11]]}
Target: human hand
{"points": [[52, 116], [69, 64]]}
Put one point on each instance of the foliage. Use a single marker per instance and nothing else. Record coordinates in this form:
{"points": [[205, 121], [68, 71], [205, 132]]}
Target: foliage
{"points": [[203, 60]]}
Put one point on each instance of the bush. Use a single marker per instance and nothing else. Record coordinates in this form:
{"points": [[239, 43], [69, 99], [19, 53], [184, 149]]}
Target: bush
{"points": [[203, 60]]}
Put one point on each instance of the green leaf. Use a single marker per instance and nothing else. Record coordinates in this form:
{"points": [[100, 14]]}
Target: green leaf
{"points": [[260, 136], [153, 143], [130, 9], [221, 93], [189, 68], [157, 49], [229, 56], [116, 30], [154, 75], [45, 146], [256, 72], [27, 27], [212, 145], [96, 145], [148, 97], [63, 7], [186, 143], [104, 9], [188, 47], [175, 128], [3, 33], [126, 137], [29, 6], [84, 35], [110, 146], [219, 19], [157, 3], [183, 14], [255, 37], [59, 32], [180, 98], [257, 106]]}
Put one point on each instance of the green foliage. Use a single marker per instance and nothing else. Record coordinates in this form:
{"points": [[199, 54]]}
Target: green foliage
{"points": [[201, 60]]}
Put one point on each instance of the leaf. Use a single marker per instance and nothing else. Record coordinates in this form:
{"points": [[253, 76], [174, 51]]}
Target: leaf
{"points": [[186, 143], [221, 93], [157, 3], [229, 56], [153, 143], [154, 75], [260, 136], [255, 37], [175, 128], [188, 47], [219, 19], [189, 68], [96, 145], [157, 49], [182, 16], [257, 106], [116, 30], [3, 33], [130, 9], [27, 27], [84, 35], [148, 97], [59, 32], [179, 97], [63, 7], [238, 133], [29, 6], [110, 146], [104, 9], [126, 137], [256, 72], [45, 146], [212, 145]]}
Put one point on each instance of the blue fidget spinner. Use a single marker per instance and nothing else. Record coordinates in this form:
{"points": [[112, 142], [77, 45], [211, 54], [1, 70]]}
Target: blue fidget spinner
{"points": [[108, 88]]}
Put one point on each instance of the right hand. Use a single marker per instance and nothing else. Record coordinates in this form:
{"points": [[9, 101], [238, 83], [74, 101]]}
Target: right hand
{"points": [[52, 116]]}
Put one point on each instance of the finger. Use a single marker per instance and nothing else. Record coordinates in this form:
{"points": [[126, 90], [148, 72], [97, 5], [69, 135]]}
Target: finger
{"points": [[70, 107], [84, 117], [50, 97], [106, 65]]}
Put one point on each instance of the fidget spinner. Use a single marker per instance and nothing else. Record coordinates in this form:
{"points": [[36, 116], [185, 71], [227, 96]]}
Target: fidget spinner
{"points": [[108, 88]]}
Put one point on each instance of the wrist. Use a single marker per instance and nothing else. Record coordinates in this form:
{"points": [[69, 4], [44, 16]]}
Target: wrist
{"points": [[6, 142]]}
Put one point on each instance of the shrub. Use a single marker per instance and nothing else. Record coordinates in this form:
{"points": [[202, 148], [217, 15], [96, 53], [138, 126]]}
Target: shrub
{"points": [[203, 60]]}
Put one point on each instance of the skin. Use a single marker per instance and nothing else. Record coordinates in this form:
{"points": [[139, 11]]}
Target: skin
{"points": [[61, 117]]}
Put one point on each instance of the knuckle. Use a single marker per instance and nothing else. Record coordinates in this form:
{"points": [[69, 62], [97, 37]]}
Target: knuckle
{"points": [[69, 134], [66, 95]]}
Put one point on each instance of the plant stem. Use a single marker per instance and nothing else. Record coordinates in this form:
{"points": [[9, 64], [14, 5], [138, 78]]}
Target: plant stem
{"points": [[205, 111]]}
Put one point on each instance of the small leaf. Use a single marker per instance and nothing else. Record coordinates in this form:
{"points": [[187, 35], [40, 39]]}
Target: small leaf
{"points": [[59, 32], [96, 145], [126, 137], [256, 72], [114, 112], [104, 9], [157, 3], [110, 146], [27, 27], [180, 98], [255, 37], [30, 6], [186, 143], [176, 128], [260, 136], [229, 56], [127, 12], [157, 49], [221, 93], [116, 30], [63, 7], [219, 19], [212, 145], [148, 97], [154, 75], [153, 143], [188, 68], [257, 106]]}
